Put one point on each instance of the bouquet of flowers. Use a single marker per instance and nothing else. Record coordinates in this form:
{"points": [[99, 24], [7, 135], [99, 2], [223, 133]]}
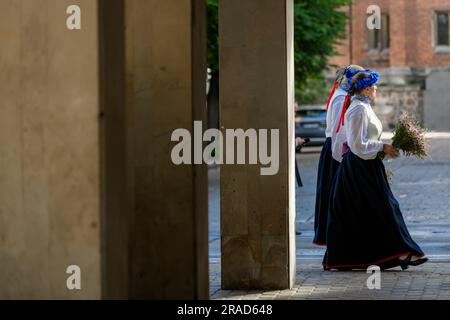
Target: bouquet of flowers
{"points": [[409, 137]]}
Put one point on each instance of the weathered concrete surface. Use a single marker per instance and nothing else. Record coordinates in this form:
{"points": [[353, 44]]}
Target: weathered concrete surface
{"points": [[165, 68], [258, 247], [49, 150], [86, 177]]}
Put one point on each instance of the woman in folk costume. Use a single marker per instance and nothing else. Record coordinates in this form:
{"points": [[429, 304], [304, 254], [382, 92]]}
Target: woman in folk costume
{"points": [[366, 226], [338, 141], [327, 165]]}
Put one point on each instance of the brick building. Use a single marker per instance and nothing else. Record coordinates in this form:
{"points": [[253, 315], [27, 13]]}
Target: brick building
{"points": [[411, 51]]}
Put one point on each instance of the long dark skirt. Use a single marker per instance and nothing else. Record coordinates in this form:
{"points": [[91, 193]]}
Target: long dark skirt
{"points": [[365, 225], [325, 175]]}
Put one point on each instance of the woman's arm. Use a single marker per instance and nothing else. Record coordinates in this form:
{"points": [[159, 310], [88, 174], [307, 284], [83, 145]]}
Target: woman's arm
{"points": [[336, 110], [337, 144], [337, 138]]}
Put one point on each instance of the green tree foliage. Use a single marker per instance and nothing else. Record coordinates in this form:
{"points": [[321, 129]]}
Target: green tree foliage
{"points": [[319, 26]]}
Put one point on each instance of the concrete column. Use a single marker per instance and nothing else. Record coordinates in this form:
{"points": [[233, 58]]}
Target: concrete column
{"points": [[86, 176], [257, 91], [165, 73], [49, 150]]}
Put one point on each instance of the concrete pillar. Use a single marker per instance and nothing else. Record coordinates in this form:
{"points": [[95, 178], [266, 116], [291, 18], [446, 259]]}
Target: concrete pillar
{"points": [[49, 150], [115, 213], [86, 176], [257, 91], [163, 67]]}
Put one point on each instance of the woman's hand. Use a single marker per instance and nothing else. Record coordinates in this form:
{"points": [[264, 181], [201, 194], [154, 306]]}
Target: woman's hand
{"points": [[299, 142], [390, 151]]}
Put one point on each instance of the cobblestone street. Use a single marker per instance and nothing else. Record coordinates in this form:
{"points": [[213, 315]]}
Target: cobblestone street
{"points": [[430, 281], [423, 190]]}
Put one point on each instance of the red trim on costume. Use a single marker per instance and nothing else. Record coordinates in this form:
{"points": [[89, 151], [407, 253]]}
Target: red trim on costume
{"points": [[332, 94], [319, 244], [373, 263], [344, 109]]}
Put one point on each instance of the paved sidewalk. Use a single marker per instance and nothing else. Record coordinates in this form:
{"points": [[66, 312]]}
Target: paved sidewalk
{"points": [[431, 281], [423, 190]]}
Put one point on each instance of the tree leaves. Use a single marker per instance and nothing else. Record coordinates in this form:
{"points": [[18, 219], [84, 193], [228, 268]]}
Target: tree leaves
{"points": [[318, 27]]}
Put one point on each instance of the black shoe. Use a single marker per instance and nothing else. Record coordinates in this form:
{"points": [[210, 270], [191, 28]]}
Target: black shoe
{"points": [[418, 262], [408, 262], [404, 266], [393, 264]]}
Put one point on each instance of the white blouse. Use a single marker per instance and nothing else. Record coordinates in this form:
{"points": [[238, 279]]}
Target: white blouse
{"points": [[334, 112], [333, 117], [338, 140], [363, 130]]}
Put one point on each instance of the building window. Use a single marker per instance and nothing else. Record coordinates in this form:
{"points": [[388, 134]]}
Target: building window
{"points": [[377, 40], [441, 26]]}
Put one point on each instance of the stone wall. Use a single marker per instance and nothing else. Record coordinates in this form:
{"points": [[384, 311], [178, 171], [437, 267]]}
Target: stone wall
{"points": [[392, 101]]}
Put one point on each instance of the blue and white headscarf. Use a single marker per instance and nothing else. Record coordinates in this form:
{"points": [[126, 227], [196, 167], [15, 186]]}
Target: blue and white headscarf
{"points": [[357, 86], [365, 82]]}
